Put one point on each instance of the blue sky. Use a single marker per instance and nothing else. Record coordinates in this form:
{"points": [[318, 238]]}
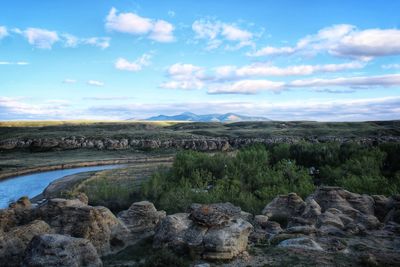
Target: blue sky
{"points": [[285, 60]]}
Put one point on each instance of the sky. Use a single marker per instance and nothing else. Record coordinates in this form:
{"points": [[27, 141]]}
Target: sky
{"points": [[334, 60]]}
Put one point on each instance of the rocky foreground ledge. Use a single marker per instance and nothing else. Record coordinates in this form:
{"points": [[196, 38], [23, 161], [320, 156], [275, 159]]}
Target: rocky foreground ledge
{"points": [[331, 221]]}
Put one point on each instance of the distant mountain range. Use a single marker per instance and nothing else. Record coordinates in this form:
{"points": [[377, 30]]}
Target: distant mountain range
{"points": [[188, 116]]}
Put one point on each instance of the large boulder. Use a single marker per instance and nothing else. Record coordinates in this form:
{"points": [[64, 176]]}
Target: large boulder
{"points": [[18, 213], [14, 242], [59, 250], [141, 219], [227, 242], [214, 232], [171, 232], [77, 219], [343, 200], [284, 207], [214, 214], [344, 210]]}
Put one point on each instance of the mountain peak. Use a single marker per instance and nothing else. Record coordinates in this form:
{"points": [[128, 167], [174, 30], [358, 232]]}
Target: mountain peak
{"points": [[189, 116]]}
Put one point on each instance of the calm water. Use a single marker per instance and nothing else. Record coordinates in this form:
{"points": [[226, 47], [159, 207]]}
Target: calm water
{"points": [[33, 184]]}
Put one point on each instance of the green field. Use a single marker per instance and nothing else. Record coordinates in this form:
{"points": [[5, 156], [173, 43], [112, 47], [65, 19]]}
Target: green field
{"points": [[128, 129]]}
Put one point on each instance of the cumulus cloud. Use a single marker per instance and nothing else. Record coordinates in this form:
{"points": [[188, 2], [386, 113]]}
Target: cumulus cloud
{"points": [[137, 65], [41, 38], [342, 40], [216, 32], [184, 76], [232, 79], [3, 32], [70, 40], [95, 83], [131, 23]]}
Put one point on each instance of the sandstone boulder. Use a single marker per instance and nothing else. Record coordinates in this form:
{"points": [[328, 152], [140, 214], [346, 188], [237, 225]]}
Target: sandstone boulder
{"points": [[97, 224], [59, 250], [14, 242], [343, 200], [213, 232], [227, 242], [171, 232], [284, 207], [141, 219], [214, 214]]}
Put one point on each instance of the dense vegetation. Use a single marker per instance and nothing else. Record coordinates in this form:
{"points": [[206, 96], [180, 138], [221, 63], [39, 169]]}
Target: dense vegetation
{"points": [[251, 177]]}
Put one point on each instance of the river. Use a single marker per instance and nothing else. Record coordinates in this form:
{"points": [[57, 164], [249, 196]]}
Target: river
{"points": [[32, 185]]}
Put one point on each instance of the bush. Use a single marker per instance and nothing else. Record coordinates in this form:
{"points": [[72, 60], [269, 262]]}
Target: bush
{"points": [[255, 175]]}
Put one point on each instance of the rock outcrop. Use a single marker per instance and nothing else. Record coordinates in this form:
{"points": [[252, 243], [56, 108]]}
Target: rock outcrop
{"points": [[141, 219], [196, 142], [284, 207], [77, 227], [333, 220], [14, 242], [60, 250], [77, 219], [212, 232]]}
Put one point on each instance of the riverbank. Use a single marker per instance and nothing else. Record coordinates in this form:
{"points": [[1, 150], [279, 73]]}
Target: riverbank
{"points": [[64, 164]]}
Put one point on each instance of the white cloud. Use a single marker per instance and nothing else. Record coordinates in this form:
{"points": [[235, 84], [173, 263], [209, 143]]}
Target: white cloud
{"points": [[20, 63], [131, 23], [183, 71], [391, 66], [70, 81], [233, 33], [3, 32], [102, 42], [183, 84], [137, 65], [255, 86], [70, 40], [162, 32], [95, 83], [232, 79], [260, 69], [215, 32], [45, 39], [246, 87], [41, 38], [342, 40], [184, 76], [353, 82], [272, 51], [381, 108]]}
